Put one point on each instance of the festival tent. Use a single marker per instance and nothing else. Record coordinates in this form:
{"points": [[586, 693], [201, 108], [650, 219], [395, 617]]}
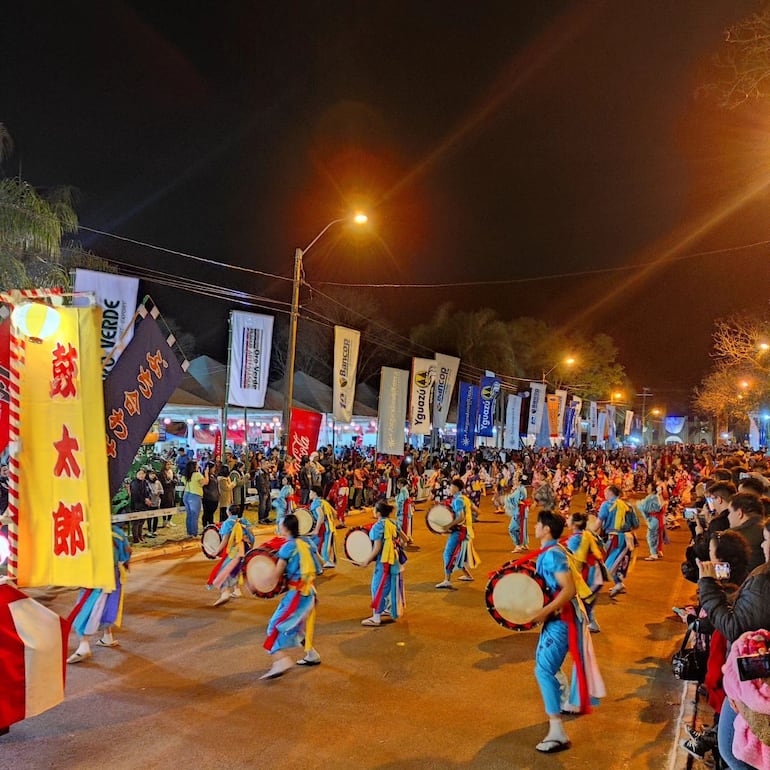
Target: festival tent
{"points": [[194, 412]]}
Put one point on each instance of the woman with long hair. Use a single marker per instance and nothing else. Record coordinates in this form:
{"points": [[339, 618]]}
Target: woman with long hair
{"points": [[194, 481]]}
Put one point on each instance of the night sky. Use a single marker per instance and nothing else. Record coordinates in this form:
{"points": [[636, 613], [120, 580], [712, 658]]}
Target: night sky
{"points": [[490, 141]]}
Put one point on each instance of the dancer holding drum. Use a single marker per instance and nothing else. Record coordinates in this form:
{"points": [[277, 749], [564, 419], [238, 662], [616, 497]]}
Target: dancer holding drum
{"points": [[293, 622], [459, 553], [236, 540], [388, 576], [564, 630]]}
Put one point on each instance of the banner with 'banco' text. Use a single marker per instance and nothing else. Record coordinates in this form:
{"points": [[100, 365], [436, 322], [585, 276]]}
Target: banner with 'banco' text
{"points": [[391, 410], [467, 414], [346, 342], [304, 427], [490, 387], [251, 341], [423, 379], [446, 374], [65, 532], [137, 388], [116, 295]]}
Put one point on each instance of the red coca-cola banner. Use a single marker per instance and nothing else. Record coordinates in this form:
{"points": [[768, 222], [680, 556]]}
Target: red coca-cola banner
{"points": [[304, 427], [218, 444]]}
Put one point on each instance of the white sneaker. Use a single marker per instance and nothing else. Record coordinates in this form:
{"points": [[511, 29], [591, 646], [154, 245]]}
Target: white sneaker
{"points": [[224, 597], [279, 668], [236, 593], [594, 627], [444, 584], [329, 565], [618, 588]]}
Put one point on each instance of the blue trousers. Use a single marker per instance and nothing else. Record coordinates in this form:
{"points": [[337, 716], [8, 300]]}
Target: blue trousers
{"points": [[192, 505], [552, 648], [725, 733], [653, 532], [514, 530]]}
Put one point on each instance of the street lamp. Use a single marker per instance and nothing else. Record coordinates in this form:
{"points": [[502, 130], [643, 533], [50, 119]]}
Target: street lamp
{"points": [[569, 361], [359, 218]]}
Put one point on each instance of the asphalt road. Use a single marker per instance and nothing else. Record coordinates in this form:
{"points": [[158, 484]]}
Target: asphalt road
{"points": [[444, 687]]}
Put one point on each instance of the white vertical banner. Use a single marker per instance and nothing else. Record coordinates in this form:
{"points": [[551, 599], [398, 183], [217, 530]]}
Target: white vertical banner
{"points": [[601, 426], [251, 338], [593, 419], [577, 422], [512, 439], [116, 295], [562, 396], [754, 430], [446, 374], [423, 379], [346, 344], [611, 429], [628, 423], [536, 409], [391, 410]]}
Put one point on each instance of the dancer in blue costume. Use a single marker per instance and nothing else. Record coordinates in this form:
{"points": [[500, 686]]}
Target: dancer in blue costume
{"points": [[281, 503], [404, 508], [459, 553], [324, 532], [237, 539], [517, 507], [587, 551], [293, 622], [564, 630], [101, 610], [388, 577], [618, 521]]}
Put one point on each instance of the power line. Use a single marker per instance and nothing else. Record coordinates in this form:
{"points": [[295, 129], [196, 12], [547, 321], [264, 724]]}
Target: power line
{"points": [[549, 277], [184, 254]]}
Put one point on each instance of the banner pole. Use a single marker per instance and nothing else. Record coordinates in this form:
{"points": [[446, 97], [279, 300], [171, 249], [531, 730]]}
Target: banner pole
{"points": [[227, 385]]}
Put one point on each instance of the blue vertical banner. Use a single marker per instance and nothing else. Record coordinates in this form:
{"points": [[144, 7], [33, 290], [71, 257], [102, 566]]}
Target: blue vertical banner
{"points": [[467, 410], [490, 387]]}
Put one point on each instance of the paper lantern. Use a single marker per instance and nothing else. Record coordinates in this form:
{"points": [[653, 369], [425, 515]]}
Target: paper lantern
{"points": [[36, 320]]}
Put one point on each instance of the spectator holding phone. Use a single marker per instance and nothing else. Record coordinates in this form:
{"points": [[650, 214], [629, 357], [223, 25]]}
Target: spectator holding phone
{"points": [[747, 686], [746, 516], [746, 610]]}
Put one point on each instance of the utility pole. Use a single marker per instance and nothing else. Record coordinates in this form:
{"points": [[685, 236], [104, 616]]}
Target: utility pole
{"points": [[644, 395]]}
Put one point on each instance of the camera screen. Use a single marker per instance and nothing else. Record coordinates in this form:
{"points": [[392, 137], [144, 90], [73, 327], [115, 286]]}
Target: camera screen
{"points": [[754, 666], [721, 570]]}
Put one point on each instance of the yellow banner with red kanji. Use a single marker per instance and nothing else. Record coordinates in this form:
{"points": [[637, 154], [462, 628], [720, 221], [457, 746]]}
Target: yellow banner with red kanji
{"points": [[65, 527]]}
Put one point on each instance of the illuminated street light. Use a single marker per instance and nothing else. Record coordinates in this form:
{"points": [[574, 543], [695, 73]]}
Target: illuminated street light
{"points": [[569, 361], [764, 346], [359, 218]]}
